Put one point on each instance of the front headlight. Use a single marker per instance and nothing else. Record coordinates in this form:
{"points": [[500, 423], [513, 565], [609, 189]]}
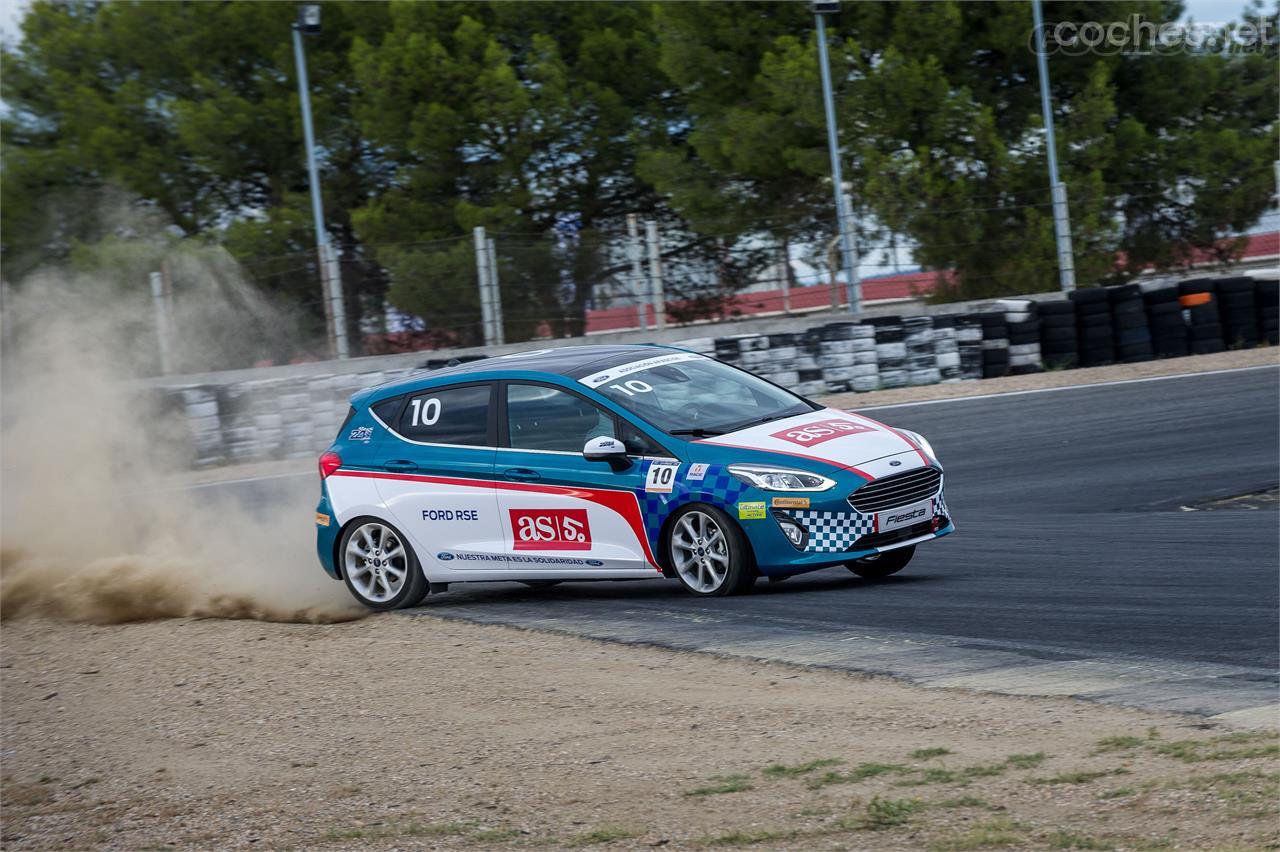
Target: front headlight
{"points": [[922, 441], [780, 478]]}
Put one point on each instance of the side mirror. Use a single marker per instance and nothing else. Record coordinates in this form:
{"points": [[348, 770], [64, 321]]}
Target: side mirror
{"points": [[607, 449]]}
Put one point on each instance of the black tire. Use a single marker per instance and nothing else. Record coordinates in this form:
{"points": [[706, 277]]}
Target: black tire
{"points": [[740, 570], [414, 586], [1089, 296], [882, 564]]}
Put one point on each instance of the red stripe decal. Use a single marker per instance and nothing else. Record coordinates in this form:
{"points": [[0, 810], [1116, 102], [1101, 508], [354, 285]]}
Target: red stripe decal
{"points": [[806, 456], [624, 503]]}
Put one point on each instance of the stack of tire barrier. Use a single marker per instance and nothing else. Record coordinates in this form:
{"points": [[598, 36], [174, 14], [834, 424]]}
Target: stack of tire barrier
{"points": [[1164, 317], [969, 341], [891, 351], [995, 344], [1129, 322], [1095, 338], [1023, 325], [946, 348], [1268, 298], [199, 405], [922, 361], [1201, 314], [1058, 334], [1238, 312]]}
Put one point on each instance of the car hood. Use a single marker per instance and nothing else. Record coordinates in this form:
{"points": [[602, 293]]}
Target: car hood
{"points": [[830, 436]]}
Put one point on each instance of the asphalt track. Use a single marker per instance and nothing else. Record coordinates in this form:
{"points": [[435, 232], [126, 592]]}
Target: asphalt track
{"points": [[1075, 569]]}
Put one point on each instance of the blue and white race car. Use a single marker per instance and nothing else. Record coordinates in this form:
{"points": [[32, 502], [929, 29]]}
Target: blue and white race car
{"points": [[613, 463]]}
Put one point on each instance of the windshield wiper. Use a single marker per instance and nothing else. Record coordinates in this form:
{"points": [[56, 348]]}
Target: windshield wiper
{"points": [[697, 433], [768, 418]]}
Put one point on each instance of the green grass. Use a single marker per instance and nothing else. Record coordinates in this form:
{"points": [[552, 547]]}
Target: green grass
{"points": [[1118, 743], [495, 835], [968, 802], [744, 838], [778, 770], [983, 770], [1117, 793], [1026, 761], [928, 753], [932, 775], [384, 832], [604, 834], [984, 835], [722, 784], [886, 813], [1194, 751], [861, 772], [1071, 840]]}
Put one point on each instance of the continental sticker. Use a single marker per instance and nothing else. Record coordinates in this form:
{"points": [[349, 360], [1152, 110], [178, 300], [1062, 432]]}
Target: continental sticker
{"points": [[790, 502], [322, 520], [751, 511]]}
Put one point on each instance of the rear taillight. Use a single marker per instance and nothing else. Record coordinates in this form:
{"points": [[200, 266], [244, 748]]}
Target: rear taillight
{"points": [[329, 462]]}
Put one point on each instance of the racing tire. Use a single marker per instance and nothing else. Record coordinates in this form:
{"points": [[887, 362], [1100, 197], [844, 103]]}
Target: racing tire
{"points": [[882, 564], [708, 552], [379, 566]]}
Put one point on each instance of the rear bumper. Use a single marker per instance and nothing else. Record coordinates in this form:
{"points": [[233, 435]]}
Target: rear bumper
{"points": [[327, 529]]}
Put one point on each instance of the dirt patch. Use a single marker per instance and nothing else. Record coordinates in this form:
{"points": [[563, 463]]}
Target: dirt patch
{"points": [[398, 732]]}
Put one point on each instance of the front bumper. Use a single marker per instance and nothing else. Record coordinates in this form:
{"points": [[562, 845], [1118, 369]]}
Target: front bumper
{"points": [[836, 533]]}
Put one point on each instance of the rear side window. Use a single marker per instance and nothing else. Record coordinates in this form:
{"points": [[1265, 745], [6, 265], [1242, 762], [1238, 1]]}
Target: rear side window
{"points": [[448, 416], [545, 418], [346, 421]]}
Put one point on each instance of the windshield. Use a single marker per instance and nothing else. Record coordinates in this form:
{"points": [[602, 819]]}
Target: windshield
{"points": [[693, 395]]}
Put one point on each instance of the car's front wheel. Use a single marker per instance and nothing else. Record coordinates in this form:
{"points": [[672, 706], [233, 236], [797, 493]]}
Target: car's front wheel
{"points": [[708, 552], [379, 566], [882, 564]]}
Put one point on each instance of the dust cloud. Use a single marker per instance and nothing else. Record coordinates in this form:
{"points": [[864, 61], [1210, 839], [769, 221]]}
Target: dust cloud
{"points": [[92, 525]]}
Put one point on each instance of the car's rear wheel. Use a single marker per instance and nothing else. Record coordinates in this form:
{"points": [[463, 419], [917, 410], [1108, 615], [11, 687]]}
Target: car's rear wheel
{"points": [[379, 567], [882, 564], [708, 552]]}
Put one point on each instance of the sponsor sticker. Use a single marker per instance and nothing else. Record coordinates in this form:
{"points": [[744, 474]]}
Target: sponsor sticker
{"points": [[322, 520], [751, 511], [661, 477], [450, 514], [697, 472], [820, 431], [790, 502], [550, 529], [444, 556], [361, 433], [595, 380]]}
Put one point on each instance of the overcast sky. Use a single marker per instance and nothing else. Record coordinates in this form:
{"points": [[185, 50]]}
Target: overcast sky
{"points": [[1203, 11]]}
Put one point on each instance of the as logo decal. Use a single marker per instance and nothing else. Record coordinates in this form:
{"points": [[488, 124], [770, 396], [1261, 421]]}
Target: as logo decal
{"points": [[820, 431], [550, 529]]}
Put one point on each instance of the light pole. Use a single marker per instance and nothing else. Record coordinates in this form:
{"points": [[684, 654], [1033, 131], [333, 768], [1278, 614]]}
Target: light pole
{"points": [[1061, 219], [330, 274], [844, 215]]}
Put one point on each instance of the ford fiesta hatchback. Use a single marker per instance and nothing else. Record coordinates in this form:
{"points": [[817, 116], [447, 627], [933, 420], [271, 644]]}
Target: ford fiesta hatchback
{"points": [[613, 463]]}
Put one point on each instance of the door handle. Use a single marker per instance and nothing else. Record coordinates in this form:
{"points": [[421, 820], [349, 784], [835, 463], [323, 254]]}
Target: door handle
{"points": [[521, 474], [400, 466]]}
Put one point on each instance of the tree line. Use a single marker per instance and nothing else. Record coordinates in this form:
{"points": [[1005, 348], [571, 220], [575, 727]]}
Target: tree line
{"points": [[538, 119]]}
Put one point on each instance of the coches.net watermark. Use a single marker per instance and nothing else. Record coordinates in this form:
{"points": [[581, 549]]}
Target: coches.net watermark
{"points": [[1136, 36]]}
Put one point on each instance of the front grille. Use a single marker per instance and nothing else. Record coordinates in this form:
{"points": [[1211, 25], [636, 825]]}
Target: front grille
{"points": [[900, 489], [885, 539]]}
